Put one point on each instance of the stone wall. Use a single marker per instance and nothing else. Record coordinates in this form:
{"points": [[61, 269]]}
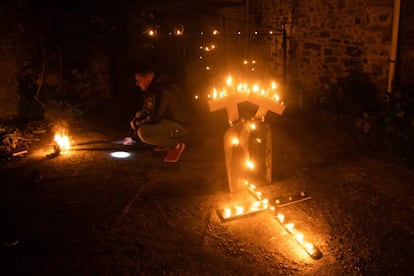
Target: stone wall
{"points": [[331, 39]]}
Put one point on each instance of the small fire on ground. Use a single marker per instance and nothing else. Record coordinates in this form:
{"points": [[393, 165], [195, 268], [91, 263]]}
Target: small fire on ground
{"points": [[62, 142]]}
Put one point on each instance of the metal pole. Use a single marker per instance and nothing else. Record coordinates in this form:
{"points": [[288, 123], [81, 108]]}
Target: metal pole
{"points": [[394, 43]]}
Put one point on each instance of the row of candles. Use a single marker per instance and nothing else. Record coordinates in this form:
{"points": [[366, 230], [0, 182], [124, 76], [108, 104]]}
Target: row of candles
{"points": [[270, 91], [262, 204]]}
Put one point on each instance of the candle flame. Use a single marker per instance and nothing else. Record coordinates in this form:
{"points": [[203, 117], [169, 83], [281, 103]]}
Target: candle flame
{"points": [[289, 227], [281, 218], [229, 80], [235, 141], [299, 238], [239, 210], [214, 93], [309, 248], [249, 164]]}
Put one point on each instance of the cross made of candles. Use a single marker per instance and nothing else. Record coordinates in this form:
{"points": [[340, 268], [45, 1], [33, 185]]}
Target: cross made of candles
{"points": [[248, 153]]}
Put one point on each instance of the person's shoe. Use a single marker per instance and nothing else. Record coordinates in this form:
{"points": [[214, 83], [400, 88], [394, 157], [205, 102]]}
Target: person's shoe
{"points": [[128, 141], [174, 154], [160, 148]]}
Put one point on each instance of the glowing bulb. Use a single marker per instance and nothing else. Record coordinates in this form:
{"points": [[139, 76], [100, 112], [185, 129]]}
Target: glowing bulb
{"points": [[252, 126], [196, 97], [208, 68], [215, 32], [256, 88], [274, 85], [252, 187], [227, 213], [276, 97], [245, 62]]}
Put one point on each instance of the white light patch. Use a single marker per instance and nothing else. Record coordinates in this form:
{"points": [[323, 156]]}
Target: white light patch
{"points": [[120, 154]]}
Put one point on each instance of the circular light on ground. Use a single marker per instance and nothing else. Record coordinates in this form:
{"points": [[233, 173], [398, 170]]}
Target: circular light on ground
{"points": [[120, 154]]}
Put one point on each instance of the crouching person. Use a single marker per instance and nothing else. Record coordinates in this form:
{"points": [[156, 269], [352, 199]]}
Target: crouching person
{"points": [[162, 121]]}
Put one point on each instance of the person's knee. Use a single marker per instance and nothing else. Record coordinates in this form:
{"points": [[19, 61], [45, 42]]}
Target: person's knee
{"points": [[141, 133]]}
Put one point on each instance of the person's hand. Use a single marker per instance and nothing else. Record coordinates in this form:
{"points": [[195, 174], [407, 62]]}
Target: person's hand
{"points": [[132, 124], [135, 123]]}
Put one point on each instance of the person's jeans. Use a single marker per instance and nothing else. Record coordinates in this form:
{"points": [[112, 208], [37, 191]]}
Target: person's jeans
{"points": [[166, 133]]}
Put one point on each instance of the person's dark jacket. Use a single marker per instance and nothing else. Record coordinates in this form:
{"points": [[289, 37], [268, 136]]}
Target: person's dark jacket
{"points": [[162, 100]]}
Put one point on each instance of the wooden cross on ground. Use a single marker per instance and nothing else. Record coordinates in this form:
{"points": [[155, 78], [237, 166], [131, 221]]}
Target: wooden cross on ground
{"points": [[248, 154], [239, 147]]}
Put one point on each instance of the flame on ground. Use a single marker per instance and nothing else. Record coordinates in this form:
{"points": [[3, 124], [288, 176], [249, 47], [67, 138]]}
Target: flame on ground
{"points": [[62, 140]]}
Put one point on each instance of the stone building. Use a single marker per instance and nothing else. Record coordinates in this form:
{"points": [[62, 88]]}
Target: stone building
{"points": [[334, 40]]}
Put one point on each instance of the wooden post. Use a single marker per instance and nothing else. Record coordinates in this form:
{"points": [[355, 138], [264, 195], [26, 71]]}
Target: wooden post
{"points": [[253, 144]]}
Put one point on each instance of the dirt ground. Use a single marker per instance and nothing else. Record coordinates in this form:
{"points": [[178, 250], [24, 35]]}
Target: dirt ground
{"points": [[92, 214]]}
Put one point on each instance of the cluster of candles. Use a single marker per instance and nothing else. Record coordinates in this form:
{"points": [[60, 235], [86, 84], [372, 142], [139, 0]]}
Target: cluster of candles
{"points": [[262, 204], [270, 91]]}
